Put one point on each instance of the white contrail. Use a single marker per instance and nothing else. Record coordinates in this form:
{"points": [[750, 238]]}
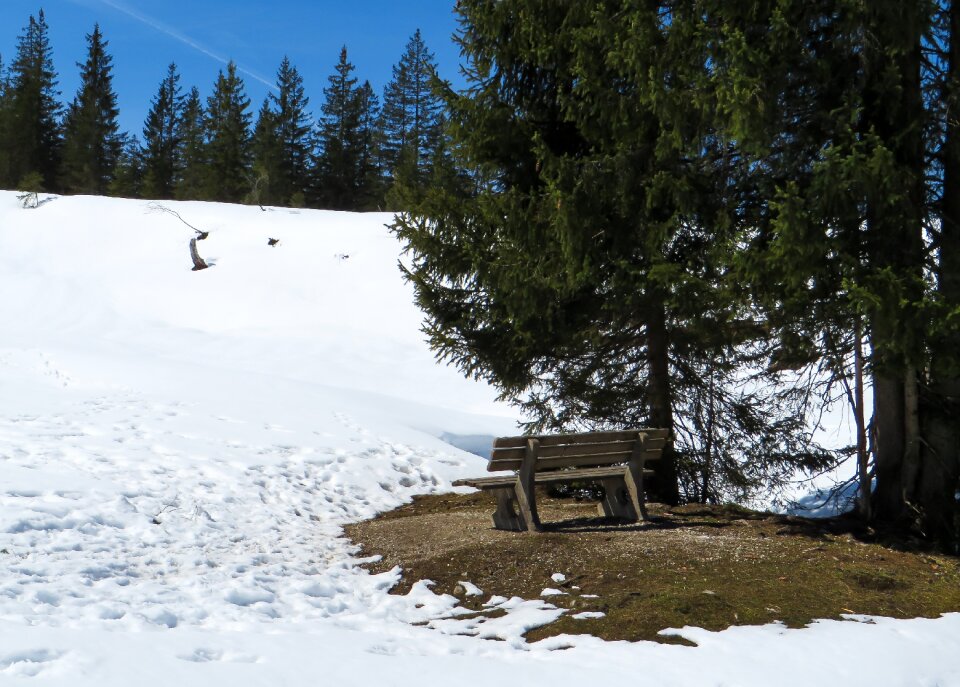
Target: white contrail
{"points": [[173, 33]]}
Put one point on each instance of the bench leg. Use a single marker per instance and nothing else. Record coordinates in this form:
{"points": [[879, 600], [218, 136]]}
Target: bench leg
{"points": [[505, 517], [634, 480], [617, 502], [527, 500], [525, 488]]}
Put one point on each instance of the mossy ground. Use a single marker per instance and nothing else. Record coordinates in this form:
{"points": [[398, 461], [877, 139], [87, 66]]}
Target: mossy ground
{"points": [[705, 566]]}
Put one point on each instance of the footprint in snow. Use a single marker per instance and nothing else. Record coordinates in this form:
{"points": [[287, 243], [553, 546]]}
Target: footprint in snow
{"points": [[165, 619], [382, 650], [28, 663], [205, 655]]}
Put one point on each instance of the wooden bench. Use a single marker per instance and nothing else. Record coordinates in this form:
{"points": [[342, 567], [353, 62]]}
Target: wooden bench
{"points": [[617, 460]]}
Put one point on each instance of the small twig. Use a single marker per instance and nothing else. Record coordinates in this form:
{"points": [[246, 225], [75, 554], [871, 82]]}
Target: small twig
{"points": [[166, 507]]}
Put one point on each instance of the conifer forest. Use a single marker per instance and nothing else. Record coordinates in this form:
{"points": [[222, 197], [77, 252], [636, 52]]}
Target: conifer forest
{"points": [[218, 146], [714, 216]]}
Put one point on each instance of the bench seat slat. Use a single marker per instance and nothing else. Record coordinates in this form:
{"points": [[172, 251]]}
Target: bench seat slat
{"points": [[559, 451], [583, 438], [497, 465], [498, 481], [577, 475]]}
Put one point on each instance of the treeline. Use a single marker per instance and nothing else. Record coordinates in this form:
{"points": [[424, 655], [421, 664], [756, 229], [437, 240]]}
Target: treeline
{"points": [[213, 148], [714, 216]]}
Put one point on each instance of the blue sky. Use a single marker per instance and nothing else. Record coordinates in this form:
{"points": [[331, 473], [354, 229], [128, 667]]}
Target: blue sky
{"points": [[146, 35]]}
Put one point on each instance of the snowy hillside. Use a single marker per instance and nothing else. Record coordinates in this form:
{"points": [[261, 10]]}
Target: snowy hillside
{"points": [[178, 452]]}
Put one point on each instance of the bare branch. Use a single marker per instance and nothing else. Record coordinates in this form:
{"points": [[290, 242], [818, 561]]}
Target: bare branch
{"points": [[157, 207]]}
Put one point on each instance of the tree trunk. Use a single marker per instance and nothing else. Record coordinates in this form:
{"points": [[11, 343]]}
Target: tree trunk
{"points": [[665, 485], [888, 425], [859, 412], [894, 113], [911, 436], [939, 484]]}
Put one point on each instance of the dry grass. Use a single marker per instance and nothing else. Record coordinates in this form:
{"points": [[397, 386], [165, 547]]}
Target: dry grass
{"points": [[710, 567]]}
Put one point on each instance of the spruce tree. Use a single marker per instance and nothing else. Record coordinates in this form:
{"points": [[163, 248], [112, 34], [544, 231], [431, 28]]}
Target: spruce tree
{"points": [[269, 180], [854, 172], [161, 142], [411, 118], [370, 164], [5, 99], [92, 141], [941, 466], [32, 138], [294, 131], [338, 166], [587, 272], [128, 176], [227, 125], [192, 177]]}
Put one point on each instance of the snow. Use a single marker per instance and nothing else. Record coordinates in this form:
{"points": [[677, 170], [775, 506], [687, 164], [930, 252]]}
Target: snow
{"points": [[179, 451], [470, 589]]}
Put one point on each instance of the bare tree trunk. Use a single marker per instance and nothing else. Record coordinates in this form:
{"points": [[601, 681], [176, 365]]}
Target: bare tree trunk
{"points": [[888, 420], [911, 436], [708, 452], [863, 457]]}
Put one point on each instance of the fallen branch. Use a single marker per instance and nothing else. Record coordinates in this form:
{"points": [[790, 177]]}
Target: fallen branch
{"points": [[29, 200], [157, 207]]}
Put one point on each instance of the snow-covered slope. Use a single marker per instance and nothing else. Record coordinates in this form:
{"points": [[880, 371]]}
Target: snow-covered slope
{"points": [[179, 449]]}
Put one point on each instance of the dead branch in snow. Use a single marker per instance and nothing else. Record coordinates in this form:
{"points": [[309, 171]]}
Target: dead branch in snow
{"points": [[157, 207], [198, 262]]}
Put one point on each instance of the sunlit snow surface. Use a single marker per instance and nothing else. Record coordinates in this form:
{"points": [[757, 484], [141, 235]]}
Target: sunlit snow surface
{"points": [[178, 452]]}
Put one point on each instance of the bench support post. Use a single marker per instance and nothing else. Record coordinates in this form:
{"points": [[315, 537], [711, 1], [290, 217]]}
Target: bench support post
{"points": [[505, 517], [634, 477], [617, 502], [525, 487]]}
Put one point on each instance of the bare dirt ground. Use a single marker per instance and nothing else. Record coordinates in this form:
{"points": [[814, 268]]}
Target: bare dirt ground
{"points": [[708, 566]]}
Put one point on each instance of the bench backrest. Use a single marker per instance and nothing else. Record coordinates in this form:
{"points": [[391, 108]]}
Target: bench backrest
{"points": [[587, 449]]}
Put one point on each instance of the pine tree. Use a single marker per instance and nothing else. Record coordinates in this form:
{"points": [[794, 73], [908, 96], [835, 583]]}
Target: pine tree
{"points": [[192, 177], [92, 141], [338, 167], [128, 178], [587, 273], [161, 142], [32, 138], [269, 181], [855, 171], [370, 165], [941, 468], [294, 131], [412, 113], [5, 102], [802, 215], [227, 124]]}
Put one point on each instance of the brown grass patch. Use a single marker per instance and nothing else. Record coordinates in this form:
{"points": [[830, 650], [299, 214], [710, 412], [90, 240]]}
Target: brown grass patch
{"points": [[704, 566]]}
